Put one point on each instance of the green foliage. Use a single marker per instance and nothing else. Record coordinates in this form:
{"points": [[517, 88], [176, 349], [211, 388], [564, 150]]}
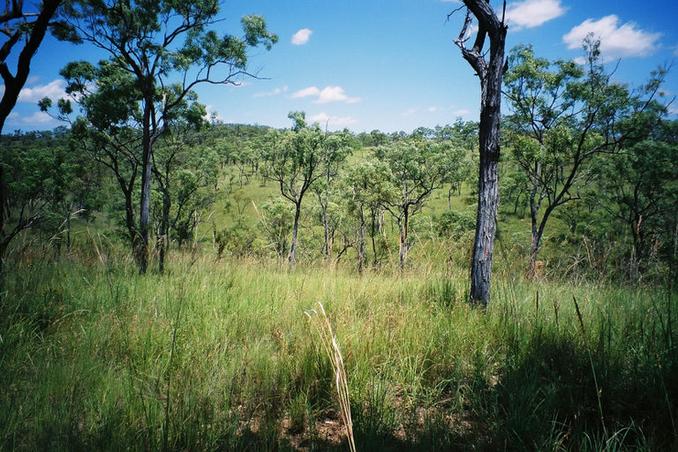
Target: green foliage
{"points": [[455, 224]]}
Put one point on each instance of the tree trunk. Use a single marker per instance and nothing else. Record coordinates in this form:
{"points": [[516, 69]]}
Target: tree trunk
{"points": [[292, 258], [163, 237], [373, 233], [483, 246], [403, 229], [490, 74], [327, 251], [488, 181], [361, 243], [536, 236], [129, 219], [145, 198]]}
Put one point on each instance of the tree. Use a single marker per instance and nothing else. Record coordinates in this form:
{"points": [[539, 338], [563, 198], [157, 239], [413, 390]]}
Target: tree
{"points": [[564, 116], [168, 48], [336, 150], [17, 23], [416, 167], [490, 74], [108, 100], [639, 188], [294, 159], [366, 187], [43, 174], [185, 170]]}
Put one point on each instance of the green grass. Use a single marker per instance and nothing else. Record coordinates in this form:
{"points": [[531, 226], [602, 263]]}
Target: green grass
{"points": [[219, 355]]}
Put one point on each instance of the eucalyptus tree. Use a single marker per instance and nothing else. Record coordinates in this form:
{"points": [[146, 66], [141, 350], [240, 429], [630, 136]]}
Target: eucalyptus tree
{"points": [[366, 187], [415, 168], [169, 48], [185, 169], [294, 159], [563, 116], [107, 100], [336, 149], [490, 72]]}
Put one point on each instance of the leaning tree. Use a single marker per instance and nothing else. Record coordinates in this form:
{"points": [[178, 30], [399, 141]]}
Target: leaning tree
{"points": [[169, 48], [21, 29], [490, 72]]}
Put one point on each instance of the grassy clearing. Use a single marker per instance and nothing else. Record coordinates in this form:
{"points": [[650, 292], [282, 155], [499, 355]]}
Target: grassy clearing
{"points": [[219, 355]]}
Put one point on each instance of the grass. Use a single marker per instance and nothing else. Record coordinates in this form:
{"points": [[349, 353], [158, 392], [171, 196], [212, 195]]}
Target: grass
{"points": [[219, 355]]}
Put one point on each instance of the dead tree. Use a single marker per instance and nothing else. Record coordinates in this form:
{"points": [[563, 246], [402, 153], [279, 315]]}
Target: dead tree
{"points": [[490, 72]]}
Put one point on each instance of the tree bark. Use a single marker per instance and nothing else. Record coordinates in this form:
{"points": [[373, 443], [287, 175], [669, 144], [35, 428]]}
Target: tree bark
{"points": [[163, 236], [361, 243], [292, 258], [403, 229], [145, 198], [491, 74]]}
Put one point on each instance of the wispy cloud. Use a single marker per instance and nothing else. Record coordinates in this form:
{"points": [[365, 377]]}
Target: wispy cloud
{"points": [[450, 111], [274, 92], [333, 121], [35, 119], [616, 40], [532, 13], [54, 90], [302, 36], [326, 95]]}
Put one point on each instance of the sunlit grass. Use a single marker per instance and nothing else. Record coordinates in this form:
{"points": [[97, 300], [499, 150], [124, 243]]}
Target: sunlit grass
{"points": [[219, 355]]}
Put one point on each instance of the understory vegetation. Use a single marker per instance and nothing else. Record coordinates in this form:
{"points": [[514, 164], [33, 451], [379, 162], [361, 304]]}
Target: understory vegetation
{"points": [[219, 355]]}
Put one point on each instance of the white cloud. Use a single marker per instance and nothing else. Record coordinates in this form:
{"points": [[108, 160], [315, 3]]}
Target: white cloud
{"points": [[36, 119], [273, 92], [212, 115], [448, 111], [326, 95], [333, 121], [532, 13], [306, 92], [302, 36], [625, 40], [54, 90]]}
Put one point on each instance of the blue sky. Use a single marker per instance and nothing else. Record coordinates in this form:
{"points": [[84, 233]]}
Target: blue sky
{"points": [[388, 64]]}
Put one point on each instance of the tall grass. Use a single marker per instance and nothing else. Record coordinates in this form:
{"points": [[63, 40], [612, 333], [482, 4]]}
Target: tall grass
{"points": [[218, 355]]}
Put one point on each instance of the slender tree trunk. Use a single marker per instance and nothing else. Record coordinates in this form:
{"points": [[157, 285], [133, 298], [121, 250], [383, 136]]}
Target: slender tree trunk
{"points": [[373, 234], [536, 236], [292, 258], [129, 219], [68, 230], [163, 237], [326, 244], [361, 243], [403, 229], [145, 201]]}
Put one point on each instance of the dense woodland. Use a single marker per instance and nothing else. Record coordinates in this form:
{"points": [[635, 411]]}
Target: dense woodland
{"points": [[157, 263]]}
